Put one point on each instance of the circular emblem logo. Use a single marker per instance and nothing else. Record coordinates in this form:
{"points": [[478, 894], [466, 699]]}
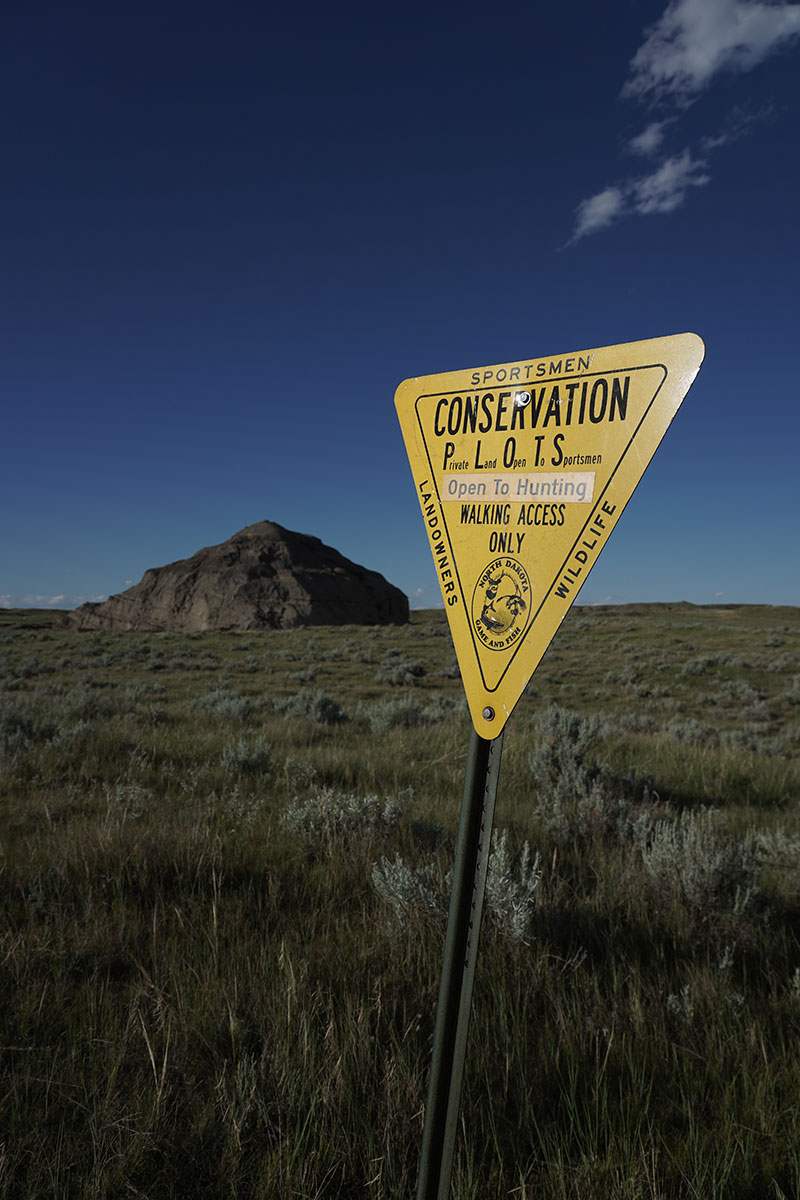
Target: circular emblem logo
{"points": [[501, 603]]}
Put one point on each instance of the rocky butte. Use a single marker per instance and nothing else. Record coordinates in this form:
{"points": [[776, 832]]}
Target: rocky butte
{"points": [[264, 577]]}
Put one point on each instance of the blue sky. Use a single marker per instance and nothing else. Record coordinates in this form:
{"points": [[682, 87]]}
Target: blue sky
{"points": [[229, 232]]}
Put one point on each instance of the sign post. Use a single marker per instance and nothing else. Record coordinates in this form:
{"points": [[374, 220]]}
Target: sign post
{"points": [[522, 470], [458, 969]]}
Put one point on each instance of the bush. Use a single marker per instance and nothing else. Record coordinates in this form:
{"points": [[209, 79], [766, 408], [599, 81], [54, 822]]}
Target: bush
{"points": [[408, 890], [333, 816], [31, 667], [564, 741], [312, 705], [241, 812], [299, 773], [407, 712], [400, 672], [577, 802], [691, 731], [125, 802], [511, 887], [704, 865], [247, 758], [226, 703], [18, 732], [84, 703]]}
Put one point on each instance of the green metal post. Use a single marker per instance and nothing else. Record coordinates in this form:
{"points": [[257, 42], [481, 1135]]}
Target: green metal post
{"points": [[458, 968]]}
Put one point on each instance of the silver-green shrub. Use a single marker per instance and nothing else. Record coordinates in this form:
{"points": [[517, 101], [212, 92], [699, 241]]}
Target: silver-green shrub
{"points": [[577, 802], [333, 816], [307, 675], [408, 711], [299, 773], [312, 705], [794, 987], [31, 667], [691, 731], [224, 702], [511, 887], [407, 889], [563, 738], [125, 802], [240, 812], [680, 1005], [706, 866], [18, 732], [84, 703], [399, 672], [248, 758]]}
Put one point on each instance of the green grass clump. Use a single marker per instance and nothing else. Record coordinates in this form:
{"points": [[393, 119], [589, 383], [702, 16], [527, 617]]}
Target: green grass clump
{"points": [[223, 907]]}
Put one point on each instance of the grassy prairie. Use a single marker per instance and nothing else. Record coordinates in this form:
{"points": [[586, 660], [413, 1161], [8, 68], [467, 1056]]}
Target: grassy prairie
{"points": [[224, 859]]}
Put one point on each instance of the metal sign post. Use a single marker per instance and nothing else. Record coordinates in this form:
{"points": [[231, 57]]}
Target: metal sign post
{"points": [[521, 470], [458, 968]]}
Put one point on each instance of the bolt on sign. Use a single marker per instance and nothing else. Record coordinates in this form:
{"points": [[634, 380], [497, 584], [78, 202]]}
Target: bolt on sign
{"points": [[522, 470]]}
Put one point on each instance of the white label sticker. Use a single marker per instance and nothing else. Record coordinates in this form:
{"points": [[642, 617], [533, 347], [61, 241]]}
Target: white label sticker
{"points": [[570, 487]]}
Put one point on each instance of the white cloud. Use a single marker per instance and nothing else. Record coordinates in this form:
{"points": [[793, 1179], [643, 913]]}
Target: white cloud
{"points": [[696, 40], [665, 189], [649, 140], [662, 191], [416, 600], [605, 600], [692, 43], [738, 123], [598, 212], [38, 601]]}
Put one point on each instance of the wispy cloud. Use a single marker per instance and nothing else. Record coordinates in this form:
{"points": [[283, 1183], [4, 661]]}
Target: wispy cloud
{"points": [[665, 189], [592, 602], [694, 41], [599, 211], [650, 139], [688, 48], [738, 123], [662, 191], [40, 601], [31, 600]]}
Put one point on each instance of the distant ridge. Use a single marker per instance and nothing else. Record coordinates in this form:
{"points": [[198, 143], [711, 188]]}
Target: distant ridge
{"points": [[264, 577]]}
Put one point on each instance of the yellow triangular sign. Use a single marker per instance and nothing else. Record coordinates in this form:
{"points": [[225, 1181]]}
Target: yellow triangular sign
{"points": [[522, 470]]}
